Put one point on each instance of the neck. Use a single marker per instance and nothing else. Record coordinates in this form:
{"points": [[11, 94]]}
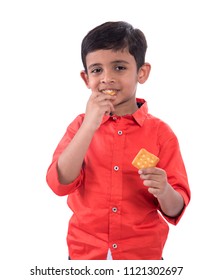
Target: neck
{"points": [[124, 109]]}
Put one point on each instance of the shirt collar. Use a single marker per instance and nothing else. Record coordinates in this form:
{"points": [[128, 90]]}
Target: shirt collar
{"points": [[139, 116]]}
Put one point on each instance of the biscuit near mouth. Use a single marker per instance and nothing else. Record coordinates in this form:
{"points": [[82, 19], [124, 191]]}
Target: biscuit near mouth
{"points": [[109, 91]]}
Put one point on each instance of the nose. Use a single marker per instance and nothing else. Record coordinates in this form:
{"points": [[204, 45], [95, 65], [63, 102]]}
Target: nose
{"points": [[107, 78]]}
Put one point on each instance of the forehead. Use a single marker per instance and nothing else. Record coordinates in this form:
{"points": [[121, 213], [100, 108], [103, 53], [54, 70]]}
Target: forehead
{"points": [[109, 57]]}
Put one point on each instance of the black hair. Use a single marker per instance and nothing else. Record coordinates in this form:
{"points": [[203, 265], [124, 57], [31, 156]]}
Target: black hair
{"points": [[117, 35]]}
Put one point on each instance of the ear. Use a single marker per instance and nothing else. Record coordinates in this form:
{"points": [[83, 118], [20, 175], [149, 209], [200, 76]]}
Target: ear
{"points": [[84, 76], [143, 73]]}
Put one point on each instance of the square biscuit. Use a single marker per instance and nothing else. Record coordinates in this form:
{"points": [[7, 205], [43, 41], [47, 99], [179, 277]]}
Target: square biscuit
{"points": [[145, 159]]}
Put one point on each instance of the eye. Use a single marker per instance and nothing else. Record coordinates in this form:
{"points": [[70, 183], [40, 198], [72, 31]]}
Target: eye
{"points": [[120, 68], [96, 70]]}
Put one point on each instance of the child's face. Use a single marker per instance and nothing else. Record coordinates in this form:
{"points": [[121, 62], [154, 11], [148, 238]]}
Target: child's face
{"points": [[114, 70]]}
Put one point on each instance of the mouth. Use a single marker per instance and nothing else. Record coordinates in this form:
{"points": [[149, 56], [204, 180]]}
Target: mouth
{"points": [[109, 91]]}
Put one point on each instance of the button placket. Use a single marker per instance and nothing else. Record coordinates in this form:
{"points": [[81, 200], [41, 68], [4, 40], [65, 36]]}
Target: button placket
{"points": [[116, 181], [114, 209], [116, 168], [115, 246], [120, 132]]}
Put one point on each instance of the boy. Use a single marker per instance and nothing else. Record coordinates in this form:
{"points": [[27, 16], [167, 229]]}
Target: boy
{"points": [[117, 210]]}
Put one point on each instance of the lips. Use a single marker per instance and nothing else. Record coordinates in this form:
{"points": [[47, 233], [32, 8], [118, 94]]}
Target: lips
{"points": [[109, 91]]}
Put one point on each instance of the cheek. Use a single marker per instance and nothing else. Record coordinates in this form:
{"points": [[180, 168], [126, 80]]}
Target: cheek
{"points": [[130, 85], [92, 83], [131, 80]]}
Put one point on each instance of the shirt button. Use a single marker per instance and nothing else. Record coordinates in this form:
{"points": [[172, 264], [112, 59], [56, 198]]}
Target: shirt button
{"points": [[114, 209], [119, 132], [116, 168], [115, 246], [114, 118]]}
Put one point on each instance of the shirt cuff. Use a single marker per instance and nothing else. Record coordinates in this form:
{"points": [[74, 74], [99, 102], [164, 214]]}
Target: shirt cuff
{"points": [[58, 188], [175, 220]]}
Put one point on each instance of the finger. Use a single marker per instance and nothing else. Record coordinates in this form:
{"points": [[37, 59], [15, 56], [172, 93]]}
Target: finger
{"points": [[151, 177], [150, 170], [107, 104], [110, 109], [150, 183], [95, 94], [103, 96], [153, 191]]}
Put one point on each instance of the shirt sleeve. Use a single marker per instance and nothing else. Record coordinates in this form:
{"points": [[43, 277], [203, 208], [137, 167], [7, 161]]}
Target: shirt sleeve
{"points": [[52, 172], [172, 162]]}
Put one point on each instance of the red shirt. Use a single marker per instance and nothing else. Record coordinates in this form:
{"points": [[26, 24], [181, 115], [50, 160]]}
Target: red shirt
{"points": [[111, 207]]}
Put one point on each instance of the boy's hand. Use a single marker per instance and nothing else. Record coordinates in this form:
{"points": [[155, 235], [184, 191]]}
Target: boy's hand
{"points": [[98, 105], [155, 179]]}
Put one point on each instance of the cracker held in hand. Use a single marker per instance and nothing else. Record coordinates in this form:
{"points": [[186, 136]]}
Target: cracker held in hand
{"points": [[145, 159]]}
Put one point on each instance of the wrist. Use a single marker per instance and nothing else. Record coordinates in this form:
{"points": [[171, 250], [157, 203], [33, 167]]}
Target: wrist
{"points": [[89, 126]]}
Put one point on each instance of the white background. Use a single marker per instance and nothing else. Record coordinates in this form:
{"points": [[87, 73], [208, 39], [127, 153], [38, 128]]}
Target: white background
{"points": [[41, 93]]}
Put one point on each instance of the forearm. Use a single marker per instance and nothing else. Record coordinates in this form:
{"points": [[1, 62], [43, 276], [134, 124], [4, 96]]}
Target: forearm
{"points": [[71, 160], [171, 202]]}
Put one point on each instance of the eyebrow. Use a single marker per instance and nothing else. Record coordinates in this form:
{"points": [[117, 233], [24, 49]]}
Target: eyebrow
{"points": [[113, 62]]}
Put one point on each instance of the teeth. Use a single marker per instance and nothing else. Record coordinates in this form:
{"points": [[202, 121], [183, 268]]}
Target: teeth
{"points": [[109, 91]]}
